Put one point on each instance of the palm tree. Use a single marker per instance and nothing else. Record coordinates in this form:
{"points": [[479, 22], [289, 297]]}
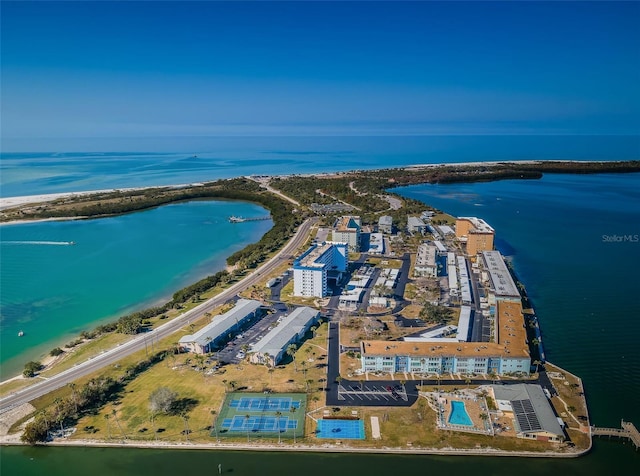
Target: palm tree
{"points": [[267, 359], [233, 384], [536, 363], [152, 419], [308, 382], [467, 381], [246, 419], [278, 415], [213, 423], [72, 386], [185, 418], [313, 331], [59, 414], [115, 417], [106, 418], [484, 417], [271, 370], [291, 352], [292, 410], [315, 399]]}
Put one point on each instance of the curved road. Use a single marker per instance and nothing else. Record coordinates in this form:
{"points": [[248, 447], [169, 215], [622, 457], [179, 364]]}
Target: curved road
{"points": [[138, 343]]}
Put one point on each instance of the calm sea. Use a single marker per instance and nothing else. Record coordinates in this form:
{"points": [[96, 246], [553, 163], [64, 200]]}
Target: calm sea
{"points": [[201, 159], [560, 231], [52, 291]]}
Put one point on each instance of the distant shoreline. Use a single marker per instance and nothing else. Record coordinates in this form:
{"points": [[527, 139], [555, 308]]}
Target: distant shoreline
{"points": [[12, 202]]}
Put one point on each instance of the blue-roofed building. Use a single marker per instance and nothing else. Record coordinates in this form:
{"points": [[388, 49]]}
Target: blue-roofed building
{"points": [[316, 266], [221, 328]]}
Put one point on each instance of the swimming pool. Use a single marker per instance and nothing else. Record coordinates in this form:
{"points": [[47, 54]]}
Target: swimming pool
{"points": [[459, 415]]}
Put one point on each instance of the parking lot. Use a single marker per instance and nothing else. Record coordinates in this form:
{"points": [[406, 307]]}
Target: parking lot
{"points": [[383, 393], [233, 353]]}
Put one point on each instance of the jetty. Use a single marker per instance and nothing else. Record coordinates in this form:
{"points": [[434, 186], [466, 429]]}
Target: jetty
{"points": [[235, 219], [627, 430]]}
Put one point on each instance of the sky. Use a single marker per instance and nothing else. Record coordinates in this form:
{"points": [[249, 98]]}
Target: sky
{"points": [[164, 69]]}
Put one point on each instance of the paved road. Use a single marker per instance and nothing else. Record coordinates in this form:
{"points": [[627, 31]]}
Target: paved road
{"points": [[138, 343]]}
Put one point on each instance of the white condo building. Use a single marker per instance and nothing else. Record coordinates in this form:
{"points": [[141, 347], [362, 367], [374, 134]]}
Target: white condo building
{"points": [[347, 230], [319, 263]]}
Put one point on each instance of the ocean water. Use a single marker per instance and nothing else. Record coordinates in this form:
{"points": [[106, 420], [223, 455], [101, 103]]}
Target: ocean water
{"points": [[561, 232], [52, 290], [575, 243], [201, 159]]}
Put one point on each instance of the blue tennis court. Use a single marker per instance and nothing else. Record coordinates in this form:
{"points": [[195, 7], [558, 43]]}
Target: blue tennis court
{"points": [[259, 423], [341, 429], [262, 404]]}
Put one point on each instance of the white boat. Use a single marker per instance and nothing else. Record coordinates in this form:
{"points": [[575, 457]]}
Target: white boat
{"points": [[20, 334]]}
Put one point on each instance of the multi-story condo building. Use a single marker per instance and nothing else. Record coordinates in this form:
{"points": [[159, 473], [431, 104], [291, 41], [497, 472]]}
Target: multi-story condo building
{"points": [[426, 264], [347, 230], [508, 354], [385, 224], [496, 274], [476, 233], [416, 225], [315, 266]]}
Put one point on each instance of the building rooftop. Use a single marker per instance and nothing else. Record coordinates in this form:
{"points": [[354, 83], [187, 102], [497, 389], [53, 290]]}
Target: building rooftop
{"points": [[385, 220], [501, 281], [222, 323], [426, 255], [274, 341], [310, 257], [531, 409], [479, 224], [347, 224], [511, 340], [415, 221]]}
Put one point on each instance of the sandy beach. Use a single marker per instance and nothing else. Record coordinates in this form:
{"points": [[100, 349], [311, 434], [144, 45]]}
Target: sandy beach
{"points": [[10, 202]]}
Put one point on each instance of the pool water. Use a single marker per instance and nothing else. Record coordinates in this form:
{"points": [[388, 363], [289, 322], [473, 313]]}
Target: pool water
{"points": [[459, 415]]}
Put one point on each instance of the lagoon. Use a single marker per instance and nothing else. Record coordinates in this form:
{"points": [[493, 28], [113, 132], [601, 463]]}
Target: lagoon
{"points": [[117, 265]]}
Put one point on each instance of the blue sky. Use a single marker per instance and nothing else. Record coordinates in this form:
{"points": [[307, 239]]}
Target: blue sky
{"points": [[125, 69]]}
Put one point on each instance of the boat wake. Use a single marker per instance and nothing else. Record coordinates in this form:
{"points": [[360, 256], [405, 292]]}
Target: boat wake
{"points": [[42, 243]]}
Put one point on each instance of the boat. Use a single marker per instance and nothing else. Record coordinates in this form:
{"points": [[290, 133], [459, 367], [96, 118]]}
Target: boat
{"points": [[20, 334], [72, 242]]}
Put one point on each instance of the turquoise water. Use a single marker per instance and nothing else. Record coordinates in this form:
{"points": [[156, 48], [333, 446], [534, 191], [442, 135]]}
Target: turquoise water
{"points": [[583, 286], [53, 292], [459, 415], [200, 159]]}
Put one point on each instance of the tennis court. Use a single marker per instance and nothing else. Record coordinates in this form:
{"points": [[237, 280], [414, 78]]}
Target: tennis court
{"points": [[258, 415], [260, 404], [341, 429]]}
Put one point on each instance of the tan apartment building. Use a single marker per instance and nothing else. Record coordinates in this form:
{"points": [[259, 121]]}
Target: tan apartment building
{"points": [[476, 233]]}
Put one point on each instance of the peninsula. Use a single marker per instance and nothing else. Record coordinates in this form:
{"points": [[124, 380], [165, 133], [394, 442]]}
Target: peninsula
{"points": [[358, 314]]}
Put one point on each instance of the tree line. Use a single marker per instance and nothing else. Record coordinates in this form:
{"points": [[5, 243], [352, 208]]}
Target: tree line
{"points": [[87, 399]]}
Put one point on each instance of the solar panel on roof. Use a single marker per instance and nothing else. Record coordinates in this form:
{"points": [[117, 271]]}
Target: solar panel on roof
{"points": [[525, 415]]}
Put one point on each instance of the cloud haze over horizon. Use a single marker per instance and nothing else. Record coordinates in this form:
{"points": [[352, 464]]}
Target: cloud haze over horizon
{"points": [[159, 69]]}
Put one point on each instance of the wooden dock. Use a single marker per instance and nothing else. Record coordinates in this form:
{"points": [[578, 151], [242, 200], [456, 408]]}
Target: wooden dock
{"points": [[626, 430]]}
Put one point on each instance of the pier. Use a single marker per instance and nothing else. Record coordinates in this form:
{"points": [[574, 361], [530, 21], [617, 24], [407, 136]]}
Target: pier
{"points": [[627, 430], [234, 219]]}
